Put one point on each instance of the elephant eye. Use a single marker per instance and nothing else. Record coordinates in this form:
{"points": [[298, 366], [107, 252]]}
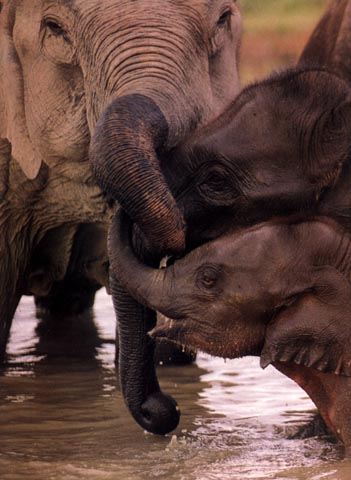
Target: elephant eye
{"points": [[214, 182], [54, 27], [217, 188], [224, 18], [208, 277]]}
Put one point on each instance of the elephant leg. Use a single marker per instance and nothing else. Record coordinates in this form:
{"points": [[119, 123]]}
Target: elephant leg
{"points": [[85, 270], [73, 296], [7, 311], [315, 427], [10, 295], [331, 394]]}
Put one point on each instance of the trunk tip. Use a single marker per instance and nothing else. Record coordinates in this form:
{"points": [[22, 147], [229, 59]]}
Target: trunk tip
{"points": [[160, 414]]}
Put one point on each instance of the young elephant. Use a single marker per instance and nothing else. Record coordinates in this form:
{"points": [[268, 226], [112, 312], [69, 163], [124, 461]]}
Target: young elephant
{"points": [[271, 290]]}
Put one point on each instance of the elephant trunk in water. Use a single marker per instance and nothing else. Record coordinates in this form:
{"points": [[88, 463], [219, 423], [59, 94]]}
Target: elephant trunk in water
{"points": [[124, 150], [153, 410], [124, 153]]}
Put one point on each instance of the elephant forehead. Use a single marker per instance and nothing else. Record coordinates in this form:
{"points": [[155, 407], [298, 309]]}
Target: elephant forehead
{"points": [[253, 241], [138, 8]]}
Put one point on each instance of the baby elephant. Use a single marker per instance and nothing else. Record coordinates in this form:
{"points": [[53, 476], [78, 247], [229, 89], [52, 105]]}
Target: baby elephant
{"points": [[281, 291]]}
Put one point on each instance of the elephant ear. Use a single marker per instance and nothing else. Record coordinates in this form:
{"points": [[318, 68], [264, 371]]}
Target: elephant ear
{"points": [[12, 111], [315, 331], [330, 42]]}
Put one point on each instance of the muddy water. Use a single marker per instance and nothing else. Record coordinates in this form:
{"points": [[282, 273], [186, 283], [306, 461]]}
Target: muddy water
{"points": [[62, 415]]}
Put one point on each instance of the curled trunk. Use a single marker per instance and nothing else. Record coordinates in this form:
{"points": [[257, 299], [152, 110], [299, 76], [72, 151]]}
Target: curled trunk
{"points": [[124, 157]]}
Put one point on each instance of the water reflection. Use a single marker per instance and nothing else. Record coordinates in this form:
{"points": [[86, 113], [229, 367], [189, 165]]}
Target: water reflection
{"points": [[62, 414]]}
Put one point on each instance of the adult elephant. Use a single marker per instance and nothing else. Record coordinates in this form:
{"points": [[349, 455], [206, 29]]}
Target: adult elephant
{"points": [[281, 148], [136, 77]]}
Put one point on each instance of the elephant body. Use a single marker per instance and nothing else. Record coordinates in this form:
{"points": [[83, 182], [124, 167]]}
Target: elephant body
{"points": [[89, 89], [40, 221]]}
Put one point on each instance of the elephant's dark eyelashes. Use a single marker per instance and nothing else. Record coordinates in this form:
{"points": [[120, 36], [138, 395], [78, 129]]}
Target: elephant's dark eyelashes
{"points": [[217, 189], [55, 28], [207, 278], [224, 18]]}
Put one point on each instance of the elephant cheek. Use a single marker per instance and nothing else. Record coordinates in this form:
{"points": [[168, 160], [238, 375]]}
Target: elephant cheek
{"points": [[331, 394]]}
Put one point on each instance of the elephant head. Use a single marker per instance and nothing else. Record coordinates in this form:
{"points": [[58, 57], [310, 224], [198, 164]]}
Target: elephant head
{"points": [[118, 82], [271, 290], [278, 147], [243, 291], [136, 76], [277, 150]]}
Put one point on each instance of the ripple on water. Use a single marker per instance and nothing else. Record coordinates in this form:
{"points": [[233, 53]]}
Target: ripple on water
{"points": [[62, 414]]}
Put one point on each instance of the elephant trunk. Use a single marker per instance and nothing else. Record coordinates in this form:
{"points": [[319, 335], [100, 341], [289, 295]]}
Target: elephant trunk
{"points": [[154, 411], [124, 153], [142, 279], [124, 149]]}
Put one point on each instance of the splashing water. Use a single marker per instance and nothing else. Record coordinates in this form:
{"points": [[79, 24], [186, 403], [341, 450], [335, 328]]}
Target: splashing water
{"points": [[62, 414]]}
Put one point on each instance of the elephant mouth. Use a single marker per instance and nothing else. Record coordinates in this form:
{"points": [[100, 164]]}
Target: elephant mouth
{"points": [[183, 331], [191, 333]]}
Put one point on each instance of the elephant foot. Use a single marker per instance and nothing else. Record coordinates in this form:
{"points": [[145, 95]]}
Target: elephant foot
{"points": [[331, 394], [314, 428]]}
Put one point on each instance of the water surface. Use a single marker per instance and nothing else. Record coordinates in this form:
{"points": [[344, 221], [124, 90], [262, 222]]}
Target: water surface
{"points": [[62, 415]]}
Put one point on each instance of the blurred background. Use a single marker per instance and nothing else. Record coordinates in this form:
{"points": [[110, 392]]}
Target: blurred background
{"points": [[275, 32]]}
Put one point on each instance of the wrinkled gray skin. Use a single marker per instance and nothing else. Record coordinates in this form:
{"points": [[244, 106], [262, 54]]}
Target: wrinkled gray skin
{"points": [[277, 290], [281, 148], [148, 70], [86, 55]]}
